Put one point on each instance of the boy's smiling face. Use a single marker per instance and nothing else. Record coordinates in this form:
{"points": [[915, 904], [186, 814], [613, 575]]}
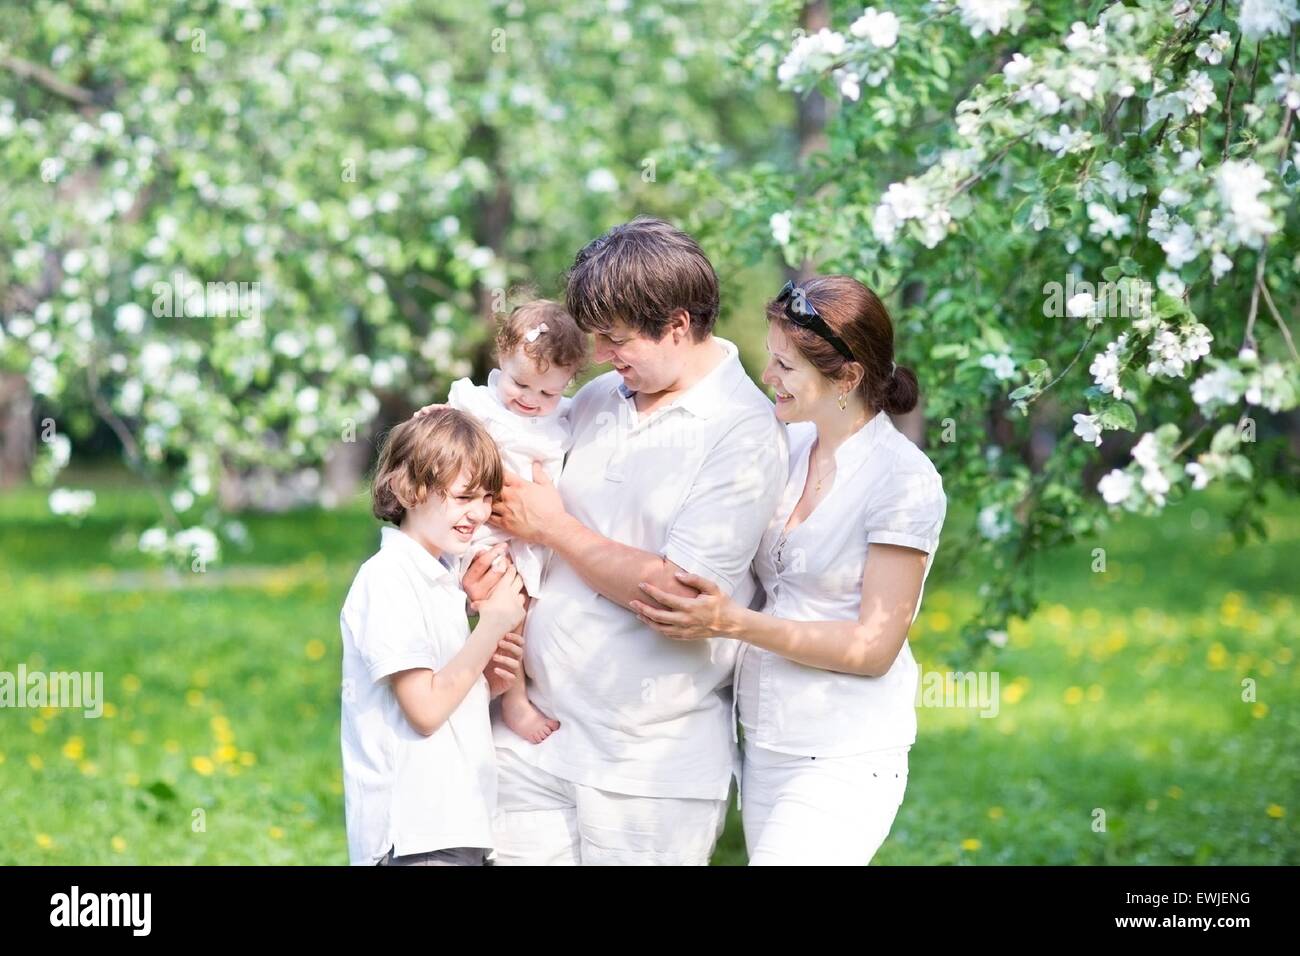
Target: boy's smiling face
{"points": [[445, 524]]}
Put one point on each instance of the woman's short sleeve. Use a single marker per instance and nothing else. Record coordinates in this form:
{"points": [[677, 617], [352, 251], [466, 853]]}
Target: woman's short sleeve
{"points": [[909, 508]]}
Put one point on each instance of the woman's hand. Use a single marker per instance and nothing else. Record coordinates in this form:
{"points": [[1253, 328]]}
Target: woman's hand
{"points": [[503, 609], [427, 409], [709, 614], [506, 666]]}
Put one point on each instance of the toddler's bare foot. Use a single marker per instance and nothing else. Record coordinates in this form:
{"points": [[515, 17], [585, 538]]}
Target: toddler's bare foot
{"points": [[526, 720]]}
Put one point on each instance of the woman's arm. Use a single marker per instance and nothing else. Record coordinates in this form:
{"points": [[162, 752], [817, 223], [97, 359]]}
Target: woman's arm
{"points": [[428, 697], [891, 587]]}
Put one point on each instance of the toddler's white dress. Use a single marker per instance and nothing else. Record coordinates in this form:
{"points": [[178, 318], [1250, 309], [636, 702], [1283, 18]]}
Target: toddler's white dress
{"points": [[522, 440]]}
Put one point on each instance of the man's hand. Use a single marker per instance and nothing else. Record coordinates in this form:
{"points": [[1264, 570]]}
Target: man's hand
{"points": [[483, 573], [531, 510], [506, 666]]}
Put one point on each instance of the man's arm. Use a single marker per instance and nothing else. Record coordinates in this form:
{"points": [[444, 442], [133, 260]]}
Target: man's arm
{"points": [[534, 511]]}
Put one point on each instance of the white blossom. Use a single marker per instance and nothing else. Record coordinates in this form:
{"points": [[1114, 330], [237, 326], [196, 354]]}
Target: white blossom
{"points": [[1001, 365], [71, 502], [879, 29], [1116, 487], [1017, 68], [1261, 18], [1240, 184], [988, 16], [779, 223], [1088, 427]]}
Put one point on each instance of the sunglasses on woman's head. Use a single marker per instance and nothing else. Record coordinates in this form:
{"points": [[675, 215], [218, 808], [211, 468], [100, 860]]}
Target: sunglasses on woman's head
{"points": [[802, 313]]}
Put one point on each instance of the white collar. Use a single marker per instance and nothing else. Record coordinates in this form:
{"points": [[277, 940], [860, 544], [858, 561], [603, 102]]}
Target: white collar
{"points": [[708, 394], [435, 570]]}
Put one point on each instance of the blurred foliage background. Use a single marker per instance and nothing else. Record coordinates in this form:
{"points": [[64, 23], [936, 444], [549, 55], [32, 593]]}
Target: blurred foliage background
{"points": [[240, 239]]}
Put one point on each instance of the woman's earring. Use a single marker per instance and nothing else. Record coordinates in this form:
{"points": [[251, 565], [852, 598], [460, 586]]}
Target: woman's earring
{"points": [[844, 404]]}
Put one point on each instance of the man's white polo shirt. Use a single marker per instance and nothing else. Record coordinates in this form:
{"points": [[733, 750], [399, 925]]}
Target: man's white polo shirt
{"points": [[696, 481], [403, 790]]}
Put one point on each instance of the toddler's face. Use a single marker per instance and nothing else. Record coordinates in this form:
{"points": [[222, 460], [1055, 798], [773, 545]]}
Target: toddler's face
{"points": [[525, 390]]}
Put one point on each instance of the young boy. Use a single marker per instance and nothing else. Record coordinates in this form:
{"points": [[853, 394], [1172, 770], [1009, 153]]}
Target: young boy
{"points": [[419, 771]]}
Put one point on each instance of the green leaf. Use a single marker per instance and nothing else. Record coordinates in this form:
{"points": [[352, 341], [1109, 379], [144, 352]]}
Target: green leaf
{"points": [[1120, 415]]}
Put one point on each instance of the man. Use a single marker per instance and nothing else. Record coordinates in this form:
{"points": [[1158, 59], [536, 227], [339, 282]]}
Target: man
{"points": [[678, 464]]}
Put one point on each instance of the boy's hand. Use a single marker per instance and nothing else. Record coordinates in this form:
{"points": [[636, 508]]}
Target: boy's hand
{"points": [[506, 666], [483, 573], [504, 608]]}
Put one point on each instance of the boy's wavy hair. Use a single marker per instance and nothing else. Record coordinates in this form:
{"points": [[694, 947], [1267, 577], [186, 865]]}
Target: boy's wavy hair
{"points": [[424, 456]]}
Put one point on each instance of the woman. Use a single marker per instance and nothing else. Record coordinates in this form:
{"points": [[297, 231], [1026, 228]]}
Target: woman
{"points": [[825, 680]]}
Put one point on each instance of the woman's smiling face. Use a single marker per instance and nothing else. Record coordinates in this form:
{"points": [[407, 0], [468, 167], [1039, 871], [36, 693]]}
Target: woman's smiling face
{"points": [[801, 391]]}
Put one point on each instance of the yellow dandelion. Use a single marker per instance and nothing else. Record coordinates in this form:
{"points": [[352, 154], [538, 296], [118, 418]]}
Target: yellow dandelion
{"points": [[1014, 692], [35, 762], [995, 813], [1074, 695], [247, 759], [1175, 792], [315, 649], [110, 710], [49, 712], [203, 765], [131, 684], [1276, 811], [75, 748], [44, 841], [132, 779], [194, 697], [970, 844], [276, 833], [37, 725], [2, 756], [89, 768], [118, 844], [1217, 656], [1259, 710], [226, 753]]}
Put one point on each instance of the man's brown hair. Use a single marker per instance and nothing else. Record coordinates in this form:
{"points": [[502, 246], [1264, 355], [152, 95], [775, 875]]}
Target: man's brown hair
{"points": [[563, 344], [424, 456], [641, 272]]}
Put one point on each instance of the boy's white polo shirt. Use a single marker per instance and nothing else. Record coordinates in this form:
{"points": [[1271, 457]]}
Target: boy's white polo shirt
{"points": [[403, 790], [696, 481]]}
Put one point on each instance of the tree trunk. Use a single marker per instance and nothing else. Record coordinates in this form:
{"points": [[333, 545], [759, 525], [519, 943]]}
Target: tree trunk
{"points": [[17, 430]]}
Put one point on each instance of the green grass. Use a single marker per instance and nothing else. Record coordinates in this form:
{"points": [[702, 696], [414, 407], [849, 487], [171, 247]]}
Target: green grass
{"points": [[220, 744]]}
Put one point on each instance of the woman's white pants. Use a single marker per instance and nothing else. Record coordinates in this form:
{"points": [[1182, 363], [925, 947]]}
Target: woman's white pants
{"points": [[819, 811]]}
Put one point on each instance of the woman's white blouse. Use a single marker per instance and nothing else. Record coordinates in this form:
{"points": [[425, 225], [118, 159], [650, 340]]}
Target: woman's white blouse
{"points": [[885, 491]]}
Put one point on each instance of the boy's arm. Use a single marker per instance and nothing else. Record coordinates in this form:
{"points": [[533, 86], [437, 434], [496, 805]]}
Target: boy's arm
{"points": [[428, 697]]}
